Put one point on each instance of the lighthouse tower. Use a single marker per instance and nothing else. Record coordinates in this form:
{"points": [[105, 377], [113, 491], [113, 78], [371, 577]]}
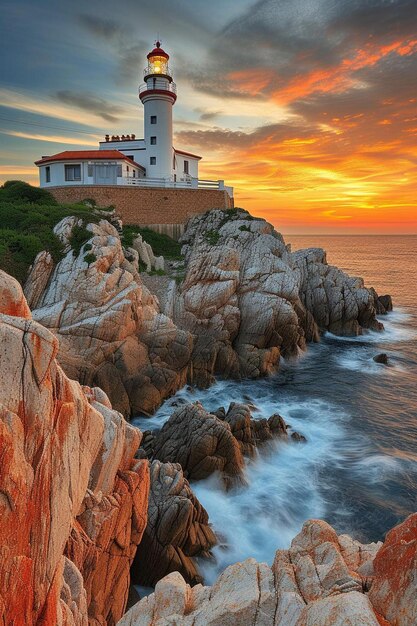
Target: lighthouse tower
{"points": [[158, 94]]}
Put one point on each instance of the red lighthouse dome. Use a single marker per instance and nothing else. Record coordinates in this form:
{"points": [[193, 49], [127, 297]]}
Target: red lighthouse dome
{"points": [[157, 52]]}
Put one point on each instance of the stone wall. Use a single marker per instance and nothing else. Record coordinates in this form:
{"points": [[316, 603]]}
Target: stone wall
{"points": [[146, 205]]}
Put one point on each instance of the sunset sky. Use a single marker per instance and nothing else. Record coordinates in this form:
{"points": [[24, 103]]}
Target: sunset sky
{"points": [[307, 107]]}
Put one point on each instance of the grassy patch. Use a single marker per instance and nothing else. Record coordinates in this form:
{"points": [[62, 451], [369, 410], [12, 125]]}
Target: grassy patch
{"points": [[162, 245]]}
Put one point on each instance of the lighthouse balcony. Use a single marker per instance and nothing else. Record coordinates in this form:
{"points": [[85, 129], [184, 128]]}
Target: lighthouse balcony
{"points": [[158, 84]]}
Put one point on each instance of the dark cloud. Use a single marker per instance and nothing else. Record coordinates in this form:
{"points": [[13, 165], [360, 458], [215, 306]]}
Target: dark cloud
{"points": [[104, 28], [226, 138], [92, 104], [283, 39]]}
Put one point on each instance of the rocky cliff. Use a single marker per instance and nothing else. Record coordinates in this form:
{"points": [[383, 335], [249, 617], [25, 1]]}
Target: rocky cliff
{"points": [[73, 498], [244, 301]]}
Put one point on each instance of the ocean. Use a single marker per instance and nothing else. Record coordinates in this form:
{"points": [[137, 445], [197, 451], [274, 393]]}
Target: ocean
{"points": [[358, 469]]}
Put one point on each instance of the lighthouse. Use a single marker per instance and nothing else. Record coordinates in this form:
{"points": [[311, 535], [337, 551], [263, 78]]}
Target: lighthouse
{"points": [[158, 95], [149, 162]]}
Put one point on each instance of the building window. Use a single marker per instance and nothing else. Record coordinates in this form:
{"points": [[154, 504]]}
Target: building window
{"points": [[73, 172], [90, 171], [134, 173], [153, 119], [186, 167], [48, 174], [153, 161], [153, 141], [119, 170]]}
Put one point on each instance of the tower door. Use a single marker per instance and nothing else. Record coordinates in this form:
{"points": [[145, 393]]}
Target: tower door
{"points": [[105, 174]]}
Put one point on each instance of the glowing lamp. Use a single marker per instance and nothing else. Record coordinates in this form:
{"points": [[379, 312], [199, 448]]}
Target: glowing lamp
{"points": [[158, 61]]}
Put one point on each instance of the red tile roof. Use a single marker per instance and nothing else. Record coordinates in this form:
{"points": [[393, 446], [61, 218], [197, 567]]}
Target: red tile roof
{"points": [[190, 154], [87, 155]]}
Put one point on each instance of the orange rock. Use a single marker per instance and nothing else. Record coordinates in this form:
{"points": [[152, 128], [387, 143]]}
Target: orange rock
{"points": [[394, 589], [67, 483]]}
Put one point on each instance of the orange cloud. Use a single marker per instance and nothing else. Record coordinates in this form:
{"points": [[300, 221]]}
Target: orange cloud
{"points": [[340, 77]]}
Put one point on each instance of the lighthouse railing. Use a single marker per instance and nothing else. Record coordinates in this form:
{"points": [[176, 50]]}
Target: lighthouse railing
{"points": [[191, 183]]}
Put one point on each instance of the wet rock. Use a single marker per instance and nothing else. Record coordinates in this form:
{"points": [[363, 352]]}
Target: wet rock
{"points": [[177, 529], [386, 302], [201, 443], [298, 438], [381, 358]]}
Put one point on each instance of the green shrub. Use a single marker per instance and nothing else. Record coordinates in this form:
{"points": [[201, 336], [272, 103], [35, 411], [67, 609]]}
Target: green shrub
{"points": [[26, 226], [212, 236], [90, 258], [244, 227], [79, 236], [19, 191], [162, 245]]}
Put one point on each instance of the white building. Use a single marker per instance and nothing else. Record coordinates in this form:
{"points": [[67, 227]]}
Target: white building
{"points": [[125, 160]]}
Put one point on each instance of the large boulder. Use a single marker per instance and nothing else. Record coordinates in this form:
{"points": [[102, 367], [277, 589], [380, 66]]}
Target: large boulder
{"points": [[73, 498], [177, 529], [317, 582], [201, 443]]}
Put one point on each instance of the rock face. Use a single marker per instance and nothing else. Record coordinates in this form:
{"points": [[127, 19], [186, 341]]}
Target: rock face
{"points": [[320, 581], [245, 300], [248, 299], [73, 498], [177, 529], [110, 330], [394, 589]]}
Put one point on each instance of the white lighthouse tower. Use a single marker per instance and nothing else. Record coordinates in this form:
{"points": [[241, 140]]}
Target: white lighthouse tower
{"points": [[158, 95]]}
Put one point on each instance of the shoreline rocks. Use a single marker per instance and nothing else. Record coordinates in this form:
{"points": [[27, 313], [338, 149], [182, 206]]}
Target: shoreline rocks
{"points": [[322, 580], [245, 301]]}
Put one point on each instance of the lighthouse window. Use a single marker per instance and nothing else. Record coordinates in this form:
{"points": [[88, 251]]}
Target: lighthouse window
{"points": [[153, 119], [186, 168], [153, 141], [119, 170], [48, 174], [72, 172], [153, 161]]}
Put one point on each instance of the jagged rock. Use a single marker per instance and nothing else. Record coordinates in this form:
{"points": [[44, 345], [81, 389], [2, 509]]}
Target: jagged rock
{"points": [[316, 583], [394, 588], [381, 358], [338, 303], [177, 529], [201, 443], [110, 329], [248, 299], [38, 278], [72, 496], [245, 300], [146, 254]]}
